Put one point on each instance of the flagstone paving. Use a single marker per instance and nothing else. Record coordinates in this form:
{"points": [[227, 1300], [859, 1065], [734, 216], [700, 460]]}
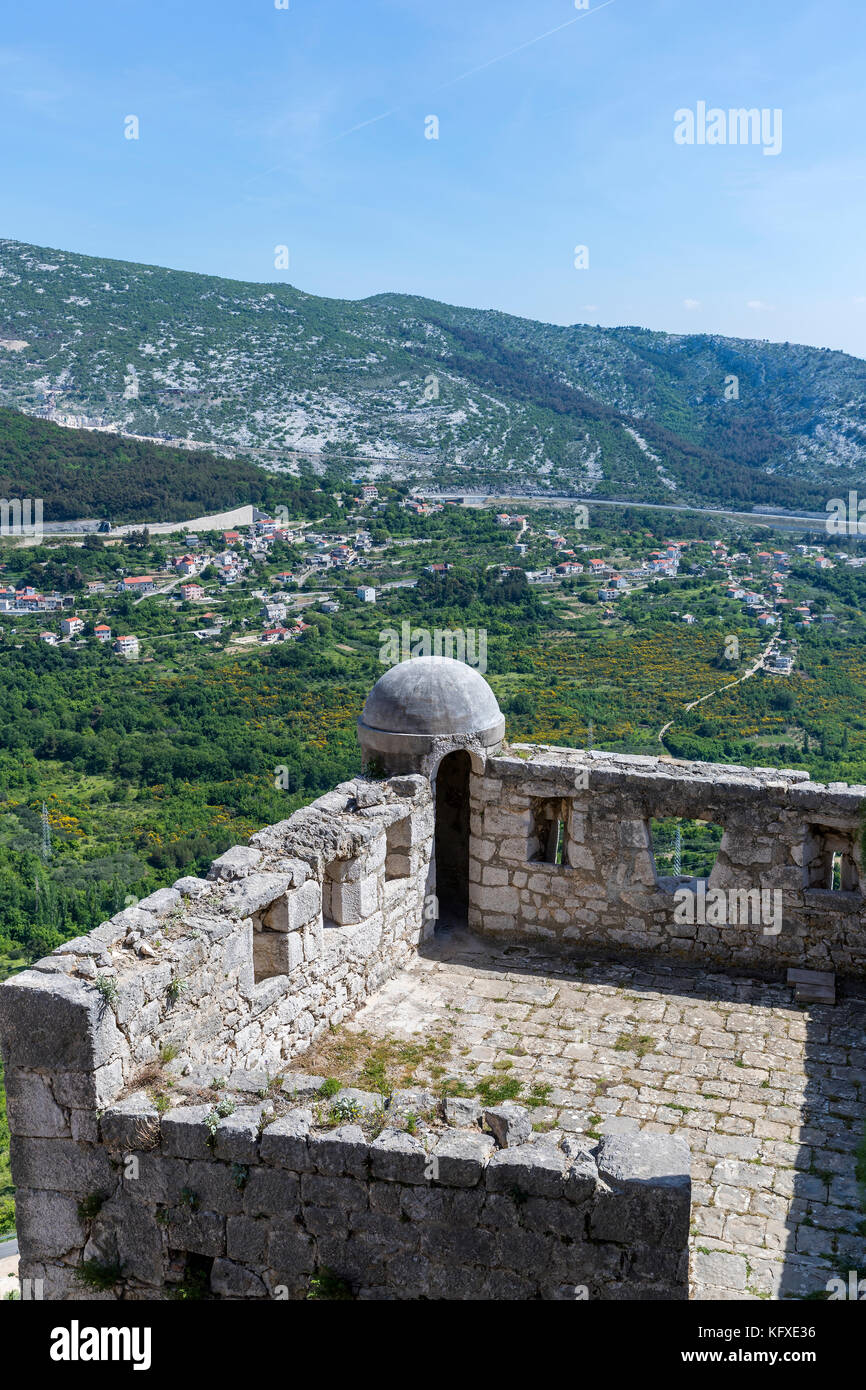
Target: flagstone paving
{"points": [[770, 1095]]}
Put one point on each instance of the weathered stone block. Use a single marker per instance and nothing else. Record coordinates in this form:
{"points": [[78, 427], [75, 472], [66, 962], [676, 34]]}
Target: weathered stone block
{"points": [[199, 1233], [247, 1239], [214, 1186], [284, 1142], [237, 862], [348, 901], [459, 1157], [345, 1194], [399, 1157], [237, 1136], [297, 908], [339, 1152], [271, 1192], [185, 1134], [160, 902], [48, 1224], [55, 1023], [32, 1109], [510, 1124], [191, 887], [229, 1280], [645, 1192], [290, 1250], [256, 893], [61, 1165], [534, 1169], [132, 1123]]}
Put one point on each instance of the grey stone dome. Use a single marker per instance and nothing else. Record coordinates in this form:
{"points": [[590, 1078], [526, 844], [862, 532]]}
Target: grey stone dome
{"points": [[433, 695]]}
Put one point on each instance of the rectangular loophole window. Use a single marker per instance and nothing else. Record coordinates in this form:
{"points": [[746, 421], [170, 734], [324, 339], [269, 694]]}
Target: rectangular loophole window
{"points": [[549, 840], [270, 953], [829, 862], [397, 846]]}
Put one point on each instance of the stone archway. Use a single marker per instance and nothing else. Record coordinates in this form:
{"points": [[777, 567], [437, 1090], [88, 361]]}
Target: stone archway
{"points": [[452, 839]]}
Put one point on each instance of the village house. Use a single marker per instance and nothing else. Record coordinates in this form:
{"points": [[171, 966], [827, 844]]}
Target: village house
{"points": [[365, 594], [780, 665], [96, 586], [186, 564], [70, 627], [102, 632], [137, 584], [126, 646], [190, 592], [342, 555], [50, 638]]}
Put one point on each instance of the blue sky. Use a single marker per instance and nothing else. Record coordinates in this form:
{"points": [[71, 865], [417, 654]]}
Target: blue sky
{"points": [[258, 128]]}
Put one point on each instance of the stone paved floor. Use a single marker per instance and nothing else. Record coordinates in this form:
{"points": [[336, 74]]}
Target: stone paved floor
{"points": [[770, 1095]]}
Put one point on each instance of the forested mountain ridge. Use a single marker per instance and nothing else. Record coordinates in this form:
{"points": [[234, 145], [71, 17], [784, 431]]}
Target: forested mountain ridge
{"points": [[453, 396], [89, 473]]}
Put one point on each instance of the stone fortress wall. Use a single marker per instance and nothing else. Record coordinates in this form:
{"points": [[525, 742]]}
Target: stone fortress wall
{"points": [[780, 834], [239, 972]]}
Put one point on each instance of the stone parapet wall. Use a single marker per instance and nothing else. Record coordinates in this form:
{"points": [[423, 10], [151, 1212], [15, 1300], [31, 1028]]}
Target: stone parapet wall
{"points": [[272, 1197], [243, 969], [778, 830]]}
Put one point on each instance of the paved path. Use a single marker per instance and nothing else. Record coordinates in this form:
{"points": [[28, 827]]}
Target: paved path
{"points": [[730, 685], [770, 1095]]}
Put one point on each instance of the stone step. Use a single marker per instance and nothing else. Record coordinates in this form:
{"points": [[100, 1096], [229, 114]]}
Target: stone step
{"points": [[813, 994], [813, 986]]}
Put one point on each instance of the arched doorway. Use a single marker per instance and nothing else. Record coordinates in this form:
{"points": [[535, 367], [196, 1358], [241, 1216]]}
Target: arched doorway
{"points": [[452, 839]]}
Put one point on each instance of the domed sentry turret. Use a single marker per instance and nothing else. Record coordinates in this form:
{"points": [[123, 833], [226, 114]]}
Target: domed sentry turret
{"points": [[422, 709]]}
